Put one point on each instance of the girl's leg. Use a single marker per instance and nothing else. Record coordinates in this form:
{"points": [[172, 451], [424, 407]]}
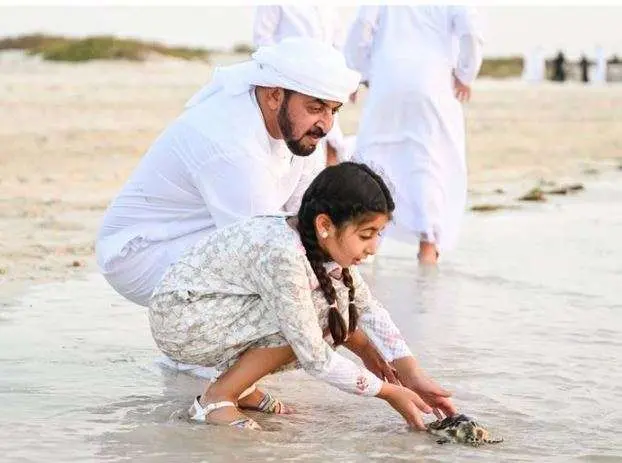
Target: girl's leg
{"points": [[253, 365]]}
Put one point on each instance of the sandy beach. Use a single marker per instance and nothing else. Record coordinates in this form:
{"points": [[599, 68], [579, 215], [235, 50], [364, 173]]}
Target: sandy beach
{"points": [[72, 133], [521, 321]]}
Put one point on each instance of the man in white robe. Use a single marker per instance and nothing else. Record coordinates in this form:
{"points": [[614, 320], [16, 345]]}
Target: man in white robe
{"points": [[534, 66], [599, 75], [274, 23], [420, 62], [243, 147]]}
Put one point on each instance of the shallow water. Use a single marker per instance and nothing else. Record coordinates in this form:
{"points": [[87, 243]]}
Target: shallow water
{"points": [[523, 323]]}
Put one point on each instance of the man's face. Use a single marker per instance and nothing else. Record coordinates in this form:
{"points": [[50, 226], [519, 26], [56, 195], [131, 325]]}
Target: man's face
{"points": [[304, 120]]}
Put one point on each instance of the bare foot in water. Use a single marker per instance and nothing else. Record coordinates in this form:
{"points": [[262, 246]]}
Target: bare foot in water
{"points": [[428, 255]]}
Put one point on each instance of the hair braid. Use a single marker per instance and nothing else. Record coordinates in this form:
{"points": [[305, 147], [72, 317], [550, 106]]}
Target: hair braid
{"points": [[353, 315], [316, 257]]}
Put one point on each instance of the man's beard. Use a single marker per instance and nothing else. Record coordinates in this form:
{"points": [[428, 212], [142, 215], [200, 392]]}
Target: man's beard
{"points": [[286, 126]]}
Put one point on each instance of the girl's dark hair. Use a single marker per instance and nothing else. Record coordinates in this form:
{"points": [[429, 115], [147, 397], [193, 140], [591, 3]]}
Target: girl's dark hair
{"points": [[348, 192]]}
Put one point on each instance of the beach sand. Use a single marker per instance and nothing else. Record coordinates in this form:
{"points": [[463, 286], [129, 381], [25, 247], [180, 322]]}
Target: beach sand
{"points": [[70, 135], [521, 321]]}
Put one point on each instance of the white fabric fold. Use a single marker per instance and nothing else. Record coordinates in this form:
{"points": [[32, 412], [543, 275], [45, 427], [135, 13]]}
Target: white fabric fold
{"points": [[301, 64], [470, 59]]}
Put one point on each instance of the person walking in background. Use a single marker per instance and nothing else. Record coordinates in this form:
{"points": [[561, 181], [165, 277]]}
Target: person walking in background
{"points": [[534, 66], [584, 65], [559, 68], [274, 23], [412, 127]]}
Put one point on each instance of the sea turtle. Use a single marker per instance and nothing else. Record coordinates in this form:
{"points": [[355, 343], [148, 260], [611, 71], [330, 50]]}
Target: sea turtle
{"points": [[461, 429]]}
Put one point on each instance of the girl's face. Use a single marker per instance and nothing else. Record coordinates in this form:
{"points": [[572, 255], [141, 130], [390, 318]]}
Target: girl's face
{"points": [[352, 243]]}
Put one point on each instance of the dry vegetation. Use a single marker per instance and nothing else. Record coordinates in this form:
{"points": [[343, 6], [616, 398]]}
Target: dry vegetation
{"points": [[56, 48]]}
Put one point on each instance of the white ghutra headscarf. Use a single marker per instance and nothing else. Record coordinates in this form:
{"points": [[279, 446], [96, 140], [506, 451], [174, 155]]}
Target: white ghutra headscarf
{"points": [[301, 64]]}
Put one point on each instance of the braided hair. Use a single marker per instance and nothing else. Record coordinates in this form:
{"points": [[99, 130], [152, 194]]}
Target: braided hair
{"points": [[348, 193]]}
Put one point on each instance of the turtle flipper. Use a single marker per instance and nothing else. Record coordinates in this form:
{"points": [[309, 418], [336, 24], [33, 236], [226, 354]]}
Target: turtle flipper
{"points": [[443, 440], [494, 440]]}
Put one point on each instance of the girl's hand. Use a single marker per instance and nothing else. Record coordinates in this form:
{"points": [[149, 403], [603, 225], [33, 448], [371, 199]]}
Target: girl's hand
{"points": [[415, 379], [406, 403]]}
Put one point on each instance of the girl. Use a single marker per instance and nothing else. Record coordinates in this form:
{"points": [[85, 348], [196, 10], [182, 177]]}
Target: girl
{"points": [[275, 292]]}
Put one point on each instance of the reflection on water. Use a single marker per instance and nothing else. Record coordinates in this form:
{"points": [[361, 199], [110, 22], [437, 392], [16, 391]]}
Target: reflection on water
{"points": [[523, 323]]}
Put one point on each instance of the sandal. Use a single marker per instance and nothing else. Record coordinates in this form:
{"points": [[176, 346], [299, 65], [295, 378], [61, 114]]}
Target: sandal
{"points": [[199, 413], [267, 405]]}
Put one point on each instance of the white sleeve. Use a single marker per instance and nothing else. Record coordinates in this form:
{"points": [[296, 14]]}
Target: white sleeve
{"points": [[233, 185], [335, 138], [266, 22], [357, 49], [313, 165], [282, 282], [339, 33], [466, 26], [376, 322]]}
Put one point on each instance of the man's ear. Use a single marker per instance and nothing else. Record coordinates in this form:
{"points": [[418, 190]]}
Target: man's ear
{"points": [[274, 97]]}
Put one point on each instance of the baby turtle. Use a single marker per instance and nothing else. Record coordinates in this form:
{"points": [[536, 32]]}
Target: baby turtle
{"points": [[461, 429]]}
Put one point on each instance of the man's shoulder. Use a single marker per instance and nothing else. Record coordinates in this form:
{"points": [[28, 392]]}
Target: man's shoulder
{"points": [[225, 119]]}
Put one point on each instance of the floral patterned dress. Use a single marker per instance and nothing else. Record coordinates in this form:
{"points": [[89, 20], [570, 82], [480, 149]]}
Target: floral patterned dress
{"points": [[250, 285]]}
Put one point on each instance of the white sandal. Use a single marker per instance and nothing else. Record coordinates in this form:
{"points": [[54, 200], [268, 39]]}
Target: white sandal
{"points": [[199, 413]]}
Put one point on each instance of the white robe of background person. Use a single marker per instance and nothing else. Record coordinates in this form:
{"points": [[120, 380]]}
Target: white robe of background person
{"points": [[534, 67], [274, 23], [599, 75], [412, 126], [214, 165]]}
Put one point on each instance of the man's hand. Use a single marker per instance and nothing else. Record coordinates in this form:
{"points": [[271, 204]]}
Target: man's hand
{"points": [[462, 91], [353, 97]]}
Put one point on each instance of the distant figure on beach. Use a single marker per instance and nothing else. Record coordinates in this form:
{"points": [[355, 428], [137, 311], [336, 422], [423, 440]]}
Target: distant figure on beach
{"points": [[584, 65], [559, 68], [244, 146], [281, 292], [534, 66], [599, 75], [412, 127], [274, 23]]}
